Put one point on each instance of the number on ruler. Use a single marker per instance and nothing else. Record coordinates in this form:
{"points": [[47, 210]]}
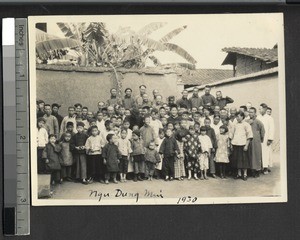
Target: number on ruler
{"points": [[22, 137]]}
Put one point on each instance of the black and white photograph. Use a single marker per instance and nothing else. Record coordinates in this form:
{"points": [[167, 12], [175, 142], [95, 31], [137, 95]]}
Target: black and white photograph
{"points": [[157, 109]]}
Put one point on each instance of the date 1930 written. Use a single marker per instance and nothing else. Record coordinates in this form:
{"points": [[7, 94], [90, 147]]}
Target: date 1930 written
{"points": [[187, 200]]}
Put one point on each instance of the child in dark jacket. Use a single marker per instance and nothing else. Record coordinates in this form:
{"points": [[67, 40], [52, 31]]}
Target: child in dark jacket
{"points": [[77, 145], [111, 158], [138, 155], [66, 157], [51, 155], [151, 159], [169, 150]]}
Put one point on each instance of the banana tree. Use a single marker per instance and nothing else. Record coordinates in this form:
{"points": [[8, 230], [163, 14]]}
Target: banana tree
{"points": [[124, 48]]}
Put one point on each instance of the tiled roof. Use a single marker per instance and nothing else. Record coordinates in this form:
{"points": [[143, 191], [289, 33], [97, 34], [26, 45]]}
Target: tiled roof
{"points": [[266, 54], [204, 76], [246, 77]]}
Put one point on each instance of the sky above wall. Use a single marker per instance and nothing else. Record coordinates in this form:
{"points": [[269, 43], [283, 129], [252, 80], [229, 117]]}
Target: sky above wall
{"points": [[204, 37]]}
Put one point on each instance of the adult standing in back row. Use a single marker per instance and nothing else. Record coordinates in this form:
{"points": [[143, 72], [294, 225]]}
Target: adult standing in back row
{"points": [[184, 101], [268, 123], [222, 101], [139, 98], [208, 99], [195, 100]]}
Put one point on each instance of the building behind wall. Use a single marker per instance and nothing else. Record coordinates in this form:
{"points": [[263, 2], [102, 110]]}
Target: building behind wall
{"points": [[250, 60]]}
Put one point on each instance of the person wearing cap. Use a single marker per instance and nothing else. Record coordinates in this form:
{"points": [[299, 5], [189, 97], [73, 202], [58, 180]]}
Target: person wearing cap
{"points": [[55, 107], [195, 100], [113, 100], [51, 122], [207, 98], [128, 102], [40, 105]]}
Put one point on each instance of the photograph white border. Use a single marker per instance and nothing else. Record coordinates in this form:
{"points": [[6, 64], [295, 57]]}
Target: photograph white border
{"points": [[150, 201]]}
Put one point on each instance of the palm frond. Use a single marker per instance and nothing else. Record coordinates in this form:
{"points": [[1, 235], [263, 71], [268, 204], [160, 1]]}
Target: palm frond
{"points": [[66, 30], [181, 52], [152, 44], [155, 60], [172, 34], [46, 42], [150, 28], [96, 31]]}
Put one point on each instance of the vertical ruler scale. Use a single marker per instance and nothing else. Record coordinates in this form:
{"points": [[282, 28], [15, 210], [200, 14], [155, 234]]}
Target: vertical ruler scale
{"points": [[9, 126], [16, 127], [22, 128]]}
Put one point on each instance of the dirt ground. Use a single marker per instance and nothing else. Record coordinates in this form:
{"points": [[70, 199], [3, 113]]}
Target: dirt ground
{"points": [[265, 185]]}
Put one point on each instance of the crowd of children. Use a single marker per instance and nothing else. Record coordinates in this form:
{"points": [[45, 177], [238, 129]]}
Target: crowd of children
{"points": [[138, 139]]}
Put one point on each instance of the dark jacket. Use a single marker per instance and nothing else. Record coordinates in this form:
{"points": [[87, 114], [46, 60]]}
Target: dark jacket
{"points": [[152, 156], [174, 120], [209, 100], [52, 153], [184, 101], [111, 154], [196, 101], [78, 140], [128, 102], [223, 102], [169, 147]]}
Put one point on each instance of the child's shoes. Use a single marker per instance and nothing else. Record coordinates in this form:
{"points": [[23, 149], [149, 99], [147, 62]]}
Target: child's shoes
{"points": [[85, 182]]}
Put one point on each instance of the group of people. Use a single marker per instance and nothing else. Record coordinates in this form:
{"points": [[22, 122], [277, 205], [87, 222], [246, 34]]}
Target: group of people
{"points": [[143, 138]]}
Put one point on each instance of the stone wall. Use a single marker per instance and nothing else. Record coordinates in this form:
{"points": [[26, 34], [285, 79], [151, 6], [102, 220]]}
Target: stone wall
{"points": [[70, 85]]}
